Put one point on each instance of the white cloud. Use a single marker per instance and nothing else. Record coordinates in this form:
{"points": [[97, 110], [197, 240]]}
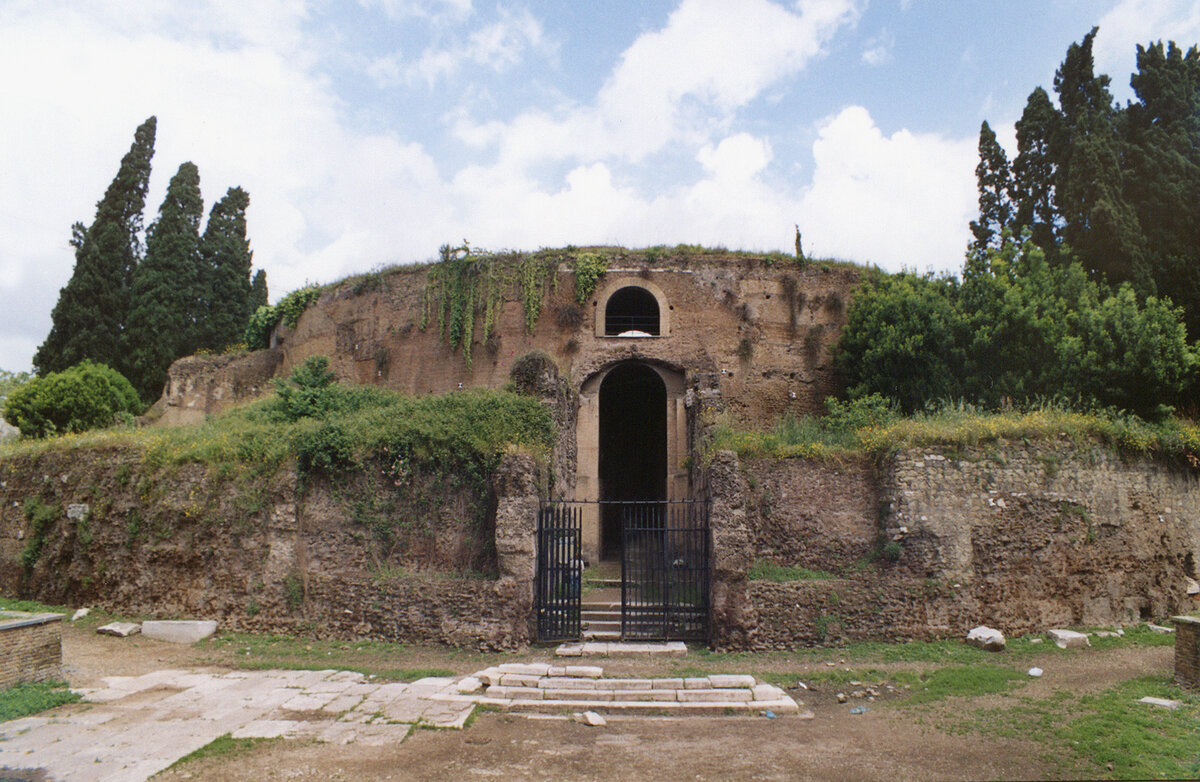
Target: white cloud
{"points": [[903, 200], [1133, 22], [431, 10], [879, 49]]}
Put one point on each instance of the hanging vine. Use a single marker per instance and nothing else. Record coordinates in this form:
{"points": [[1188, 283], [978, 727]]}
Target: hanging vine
{"points": [[467, 283]]}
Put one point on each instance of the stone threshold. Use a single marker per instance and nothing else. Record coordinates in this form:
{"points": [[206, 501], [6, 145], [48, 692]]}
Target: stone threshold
{"points": [[543, 687], [620, 649]]}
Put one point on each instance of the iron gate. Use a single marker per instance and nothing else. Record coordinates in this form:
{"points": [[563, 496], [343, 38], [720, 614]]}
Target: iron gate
{"points": [[559, 571], [664, 568]]}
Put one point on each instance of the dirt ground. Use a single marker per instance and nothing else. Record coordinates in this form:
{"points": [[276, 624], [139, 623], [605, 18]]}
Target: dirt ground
{"points": [[886, 742]]}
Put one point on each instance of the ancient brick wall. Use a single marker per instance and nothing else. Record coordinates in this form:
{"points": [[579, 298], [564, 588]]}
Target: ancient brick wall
{"points": [[30, 648], [1187, 651]]}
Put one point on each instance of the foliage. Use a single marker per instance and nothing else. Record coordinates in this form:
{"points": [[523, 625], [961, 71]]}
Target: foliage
{"points": [[995, 188], [1115, 188], [41, 517], [11, 381], [588, 269], [86, 396], [165, 317], [1016, 328], [306, 393], [90, 317], [21, 700], [767, 570], [228, 296], [287, 311], [468, 283], [959, 426]]}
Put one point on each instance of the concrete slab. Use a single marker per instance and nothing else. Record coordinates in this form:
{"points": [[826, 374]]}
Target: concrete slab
{"points": [[179, 631]]}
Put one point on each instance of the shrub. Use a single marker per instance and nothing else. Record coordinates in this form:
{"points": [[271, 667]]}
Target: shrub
{"points": [[85, 396], [288, 311]]}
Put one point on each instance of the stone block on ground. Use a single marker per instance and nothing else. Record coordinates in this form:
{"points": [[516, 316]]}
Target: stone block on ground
{"points": [[179, 631], [584, 671], [1163, 702], [1159, 629], [1068, 639], [722, 681], [591, 718], [120, 629], [80, 614], [986, 638]]}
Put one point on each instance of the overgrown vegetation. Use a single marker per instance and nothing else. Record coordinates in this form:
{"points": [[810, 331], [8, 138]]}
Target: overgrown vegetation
{"points": [[871, 426], [287, 311], [85, 396], [21, 700], [41, 517]]}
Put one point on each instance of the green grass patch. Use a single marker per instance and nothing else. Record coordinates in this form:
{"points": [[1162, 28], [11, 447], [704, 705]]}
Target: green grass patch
{"points": [[766, 570], [31, 606], [1110, 733], [22, 700], [222, 747], [964, 681]]}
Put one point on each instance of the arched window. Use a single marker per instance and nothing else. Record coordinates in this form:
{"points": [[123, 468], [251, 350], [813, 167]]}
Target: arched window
{"points": [[633, 312]]}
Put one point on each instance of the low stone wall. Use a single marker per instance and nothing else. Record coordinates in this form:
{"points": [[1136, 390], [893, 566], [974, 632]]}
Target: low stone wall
{"points": [[30, 648], [1187, 651], [933, 542]]}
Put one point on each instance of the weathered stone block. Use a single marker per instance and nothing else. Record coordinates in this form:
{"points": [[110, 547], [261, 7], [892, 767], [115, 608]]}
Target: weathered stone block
{"points": [[179, 631]]}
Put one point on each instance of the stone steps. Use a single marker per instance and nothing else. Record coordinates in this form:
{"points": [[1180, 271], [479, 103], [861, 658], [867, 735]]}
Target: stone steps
{"points": [[544, 687]]}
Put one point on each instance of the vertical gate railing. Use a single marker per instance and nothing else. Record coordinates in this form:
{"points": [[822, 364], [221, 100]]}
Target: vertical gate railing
{"points": [[559, 571], [664, 570]]}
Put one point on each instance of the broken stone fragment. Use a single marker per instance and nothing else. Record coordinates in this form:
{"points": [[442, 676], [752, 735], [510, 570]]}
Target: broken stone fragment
{"points": [[986, 638], [1159, 629], [1068, 639], [1163, 702], [120, 629], [591, 718], [80, 614], [1035, 672], [1193, 586]]}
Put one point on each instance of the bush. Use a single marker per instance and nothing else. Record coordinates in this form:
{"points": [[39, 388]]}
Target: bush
{"points": [[85, 396]]}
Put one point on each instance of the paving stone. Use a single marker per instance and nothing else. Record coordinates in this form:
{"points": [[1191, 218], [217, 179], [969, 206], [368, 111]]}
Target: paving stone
{"points": [[529, 669], [489, 675], [342, 703], [595, 648], [520, 680], [263, 729], [469, 685], [179, 631], [307, 702], [569, 650], [697, 683], [348, 676], [569, 683], [721, 681], [584, 671], [685, 696]]}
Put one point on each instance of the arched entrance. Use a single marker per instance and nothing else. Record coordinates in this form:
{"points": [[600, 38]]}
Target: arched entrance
{"points": [[632, 445]]}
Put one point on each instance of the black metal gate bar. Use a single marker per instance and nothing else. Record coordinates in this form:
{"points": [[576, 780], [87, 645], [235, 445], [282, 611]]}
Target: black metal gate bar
{"points": [[559, 571], [664, 569]]}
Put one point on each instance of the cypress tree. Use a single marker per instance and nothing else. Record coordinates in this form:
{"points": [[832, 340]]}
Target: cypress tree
{"points": [[1098, 223], [166, 318], [995, 188], [90, 317], [258, 291], [225, 262], [1033, 173]]}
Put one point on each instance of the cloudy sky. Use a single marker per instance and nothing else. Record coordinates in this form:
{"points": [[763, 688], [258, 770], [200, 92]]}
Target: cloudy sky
{"points": [[370, 132]]}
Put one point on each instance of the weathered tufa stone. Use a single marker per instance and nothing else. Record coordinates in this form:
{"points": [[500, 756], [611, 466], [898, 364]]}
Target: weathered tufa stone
{"points": [[120, 629], [179, 631], [1068, 639], [986, 638]]}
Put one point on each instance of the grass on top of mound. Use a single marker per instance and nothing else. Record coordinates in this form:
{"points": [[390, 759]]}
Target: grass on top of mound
{"points": [[870, 426]]}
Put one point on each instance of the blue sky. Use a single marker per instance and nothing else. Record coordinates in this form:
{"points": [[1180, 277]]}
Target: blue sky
{"points": [[370, 132]]}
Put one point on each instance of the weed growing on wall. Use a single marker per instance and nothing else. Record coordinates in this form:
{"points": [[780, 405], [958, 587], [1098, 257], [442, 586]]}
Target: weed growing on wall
{"points": [[41, 518], [588, 269], [287, 311]]}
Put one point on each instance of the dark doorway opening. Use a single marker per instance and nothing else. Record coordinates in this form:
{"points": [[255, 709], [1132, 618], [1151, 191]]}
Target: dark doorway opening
{"points": [[631, 309], [633, 445]]}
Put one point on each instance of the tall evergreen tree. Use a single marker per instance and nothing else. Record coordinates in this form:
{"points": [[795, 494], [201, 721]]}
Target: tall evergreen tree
{"points": [[1098, 223], [166, 317], [1162, 136], [258, 291], [90, 317], [225, 263], [995, 188], [1033, 173]]}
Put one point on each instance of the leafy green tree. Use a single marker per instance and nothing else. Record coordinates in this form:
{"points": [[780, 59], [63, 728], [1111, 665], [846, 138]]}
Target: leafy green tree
{"points": [[166, 318], [82, 397], [90, 317], [306, 394], [903, 339], [995, 189], [225, 263], [11, 381]]}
